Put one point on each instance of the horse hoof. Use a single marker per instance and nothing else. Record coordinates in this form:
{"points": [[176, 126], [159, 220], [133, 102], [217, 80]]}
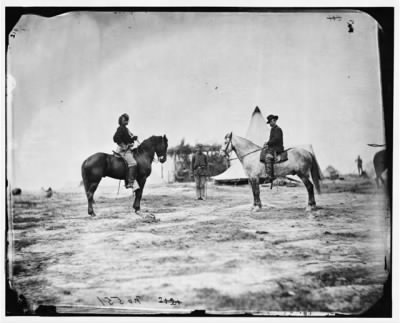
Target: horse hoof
{"points": [[149, 218], [311, 208], [256, 208]]}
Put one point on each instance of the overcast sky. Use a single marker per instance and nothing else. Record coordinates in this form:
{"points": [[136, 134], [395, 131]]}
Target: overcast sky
{"points": [[189, 75]]}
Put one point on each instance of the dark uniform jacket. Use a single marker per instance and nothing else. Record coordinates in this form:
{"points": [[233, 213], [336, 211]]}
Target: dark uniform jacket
{"points": [[276, 139], [122, 136], [199, 164]]}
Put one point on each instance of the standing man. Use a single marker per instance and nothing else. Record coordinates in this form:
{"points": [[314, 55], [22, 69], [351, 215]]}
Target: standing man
{"points": [[271, 148], [359, 165], [199, 169], [125, 141]]}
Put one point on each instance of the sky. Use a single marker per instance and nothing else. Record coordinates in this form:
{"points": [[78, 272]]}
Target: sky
{"points": [[188, 75]]}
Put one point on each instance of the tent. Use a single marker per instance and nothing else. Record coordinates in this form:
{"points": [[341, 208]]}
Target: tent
{"points": [[162, 173], [331, 173], [257, 132], [233, 175]]}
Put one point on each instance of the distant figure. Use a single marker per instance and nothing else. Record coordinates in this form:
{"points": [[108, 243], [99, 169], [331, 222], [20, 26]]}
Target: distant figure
{"points": [[199, 169], [16, 191], [48, 193], [359, 165], [271, 148], [350, 26], [125, 141]]}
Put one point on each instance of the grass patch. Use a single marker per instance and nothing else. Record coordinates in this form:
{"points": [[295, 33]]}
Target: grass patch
{"points": [[30, 219], [29, 267], [55, 227], [23, 243], [343, 276], [24, 226], [25, 203], [238, 235]]}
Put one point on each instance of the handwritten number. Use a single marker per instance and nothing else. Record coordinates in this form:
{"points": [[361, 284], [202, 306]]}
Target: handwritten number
{"points": [[109, 300], [102, 303], [170, 301], [120, 301]]}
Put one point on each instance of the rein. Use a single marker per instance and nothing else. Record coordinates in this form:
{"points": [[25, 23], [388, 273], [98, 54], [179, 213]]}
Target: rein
{"points": [[240, 157]]}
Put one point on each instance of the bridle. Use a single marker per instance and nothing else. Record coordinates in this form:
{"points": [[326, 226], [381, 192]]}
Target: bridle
{"points": [[163, 156], [227, 145]]}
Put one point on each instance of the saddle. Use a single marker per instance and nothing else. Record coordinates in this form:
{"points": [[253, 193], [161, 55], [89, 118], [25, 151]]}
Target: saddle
{"points": [[283, 156], [279, 158], [118, 155]]}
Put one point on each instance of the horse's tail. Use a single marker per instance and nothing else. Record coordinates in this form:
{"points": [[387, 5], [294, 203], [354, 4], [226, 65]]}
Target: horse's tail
{"points": [[316, 173], [84, 177], [380, 162]]}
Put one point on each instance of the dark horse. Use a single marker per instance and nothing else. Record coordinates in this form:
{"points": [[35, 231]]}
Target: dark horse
{"points": [[380, 165], [100, 165]]}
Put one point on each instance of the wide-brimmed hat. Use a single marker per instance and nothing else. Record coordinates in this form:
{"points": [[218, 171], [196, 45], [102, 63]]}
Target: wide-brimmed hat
{"points": [[271, 117]]}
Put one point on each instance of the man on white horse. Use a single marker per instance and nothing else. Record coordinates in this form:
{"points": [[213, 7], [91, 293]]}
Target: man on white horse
{"points": [[271, 148]]}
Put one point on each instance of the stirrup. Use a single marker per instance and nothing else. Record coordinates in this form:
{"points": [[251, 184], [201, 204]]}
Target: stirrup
{"points": [[135, 186]]}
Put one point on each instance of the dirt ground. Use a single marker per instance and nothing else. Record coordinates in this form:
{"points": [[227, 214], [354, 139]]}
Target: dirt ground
{"points": [[215, 255]]}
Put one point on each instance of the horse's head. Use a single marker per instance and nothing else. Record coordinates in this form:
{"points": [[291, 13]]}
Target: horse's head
{"points": [[161, 149], [228, 144]]}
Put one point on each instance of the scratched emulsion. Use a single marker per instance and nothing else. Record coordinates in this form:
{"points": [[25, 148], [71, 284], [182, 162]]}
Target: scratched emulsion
{"points": [[214, 255]]}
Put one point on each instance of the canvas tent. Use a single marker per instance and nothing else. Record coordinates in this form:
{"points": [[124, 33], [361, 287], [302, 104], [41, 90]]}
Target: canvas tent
{"points": [[257, 132], [162, 172], [233, 175], [331, 173]]}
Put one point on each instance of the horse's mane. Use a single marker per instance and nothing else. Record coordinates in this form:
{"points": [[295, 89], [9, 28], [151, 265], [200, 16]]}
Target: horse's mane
{"points": [[148, 143], [248, 142]]}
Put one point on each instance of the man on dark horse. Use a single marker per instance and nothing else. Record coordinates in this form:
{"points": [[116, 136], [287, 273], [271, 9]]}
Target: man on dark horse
{"points": [[271, 148], [125, 141]]}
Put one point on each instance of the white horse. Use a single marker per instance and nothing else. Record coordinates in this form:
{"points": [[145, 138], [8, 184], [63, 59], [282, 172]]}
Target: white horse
{"points": [[300, 162]]}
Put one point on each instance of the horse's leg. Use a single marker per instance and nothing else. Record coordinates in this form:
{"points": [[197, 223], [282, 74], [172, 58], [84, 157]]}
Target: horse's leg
{"points": [[90, 194], [255, 187], [377, 181], [382, 181], [138, 194], [310, 189]]}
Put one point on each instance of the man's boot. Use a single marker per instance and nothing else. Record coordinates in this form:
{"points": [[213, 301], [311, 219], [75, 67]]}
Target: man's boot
{"points": [[130, 179], [269, 172]]}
